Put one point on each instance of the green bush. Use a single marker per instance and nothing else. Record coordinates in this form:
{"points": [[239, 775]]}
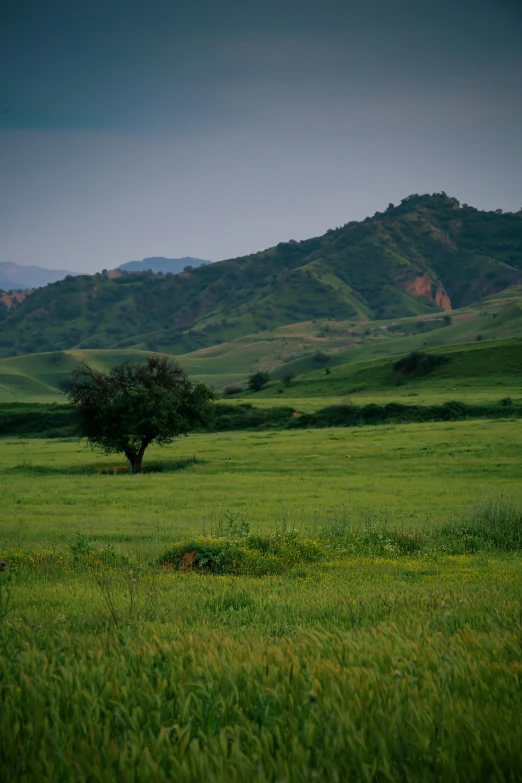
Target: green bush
{"points": [[231, 389], [418, 363], [258, 380], [250, 554], [320, 357]]}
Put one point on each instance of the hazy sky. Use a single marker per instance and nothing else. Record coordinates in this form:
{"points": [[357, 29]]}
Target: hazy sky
{"points": [[215, 128]]}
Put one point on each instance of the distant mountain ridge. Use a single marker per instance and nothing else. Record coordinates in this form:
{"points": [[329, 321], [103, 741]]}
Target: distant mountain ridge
{"points": [[16, 277], [160, 264], [426, 255]]}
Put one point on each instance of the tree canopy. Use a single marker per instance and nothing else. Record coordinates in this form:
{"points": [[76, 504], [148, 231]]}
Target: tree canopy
{"points": [[258, 380], [136, 404]]}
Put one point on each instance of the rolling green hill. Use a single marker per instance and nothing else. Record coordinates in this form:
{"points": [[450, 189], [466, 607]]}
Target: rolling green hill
{"points": [[289, 349], [424, 256], [38, 377], [478, 371], [474, 372]]}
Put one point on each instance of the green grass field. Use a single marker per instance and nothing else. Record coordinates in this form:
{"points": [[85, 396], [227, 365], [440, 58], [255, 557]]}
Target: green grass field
{"points": [[393, 654], [409, 473]]}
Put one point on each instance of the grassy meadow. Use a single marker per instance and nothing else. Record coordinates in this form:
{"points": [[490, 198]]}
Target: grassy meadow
{"points": [[371, 632], [412, 474]]}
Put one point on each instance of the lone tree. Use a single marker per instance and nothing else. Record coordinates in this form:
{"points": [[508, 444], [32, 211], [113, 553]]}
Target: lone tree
{"points": [[135, 405], [288, 377], [258, 380]]}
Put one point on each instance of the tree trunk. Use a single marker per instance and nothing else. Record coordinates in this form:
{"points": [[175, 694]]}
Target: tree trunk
{"points": [[136, 460]]}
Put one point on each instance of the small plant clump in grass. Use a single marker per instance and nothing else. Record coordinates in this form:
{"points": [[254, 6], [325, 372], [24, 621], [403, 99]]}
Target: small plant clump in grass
{"points": [[407, 542], [256, 555], [494, 525], [85, 556]]}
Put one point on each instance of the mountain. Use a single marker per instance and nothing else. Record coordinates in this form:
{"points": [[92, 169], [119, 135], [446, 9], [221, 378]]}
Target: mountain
{"points": [[159, 264], [427, 255], [17, 278]]}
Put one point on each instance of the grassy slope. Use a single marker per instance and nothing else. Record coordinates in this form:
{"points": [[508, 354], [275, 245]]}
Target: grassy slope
{"points": [[37, 377], [476, 372], [362, 371]]}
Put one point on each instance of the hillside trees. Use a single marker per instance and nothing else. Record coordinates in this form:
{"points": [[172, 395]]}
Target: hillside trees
{"points": [[134, 405], [258, 380], [364, 268], [288, 377]]}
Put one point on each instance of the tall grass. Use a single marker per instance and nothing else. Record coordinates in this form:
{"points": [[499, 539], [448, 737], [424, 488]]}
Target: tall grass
{"points": [[495, 524], [370, 669], [348, 612]]}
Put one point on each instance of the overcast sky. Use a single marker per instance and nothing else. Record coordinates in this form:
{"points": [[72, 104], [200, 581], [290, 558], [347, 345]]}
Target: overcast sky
{"points": [[215, 129]]}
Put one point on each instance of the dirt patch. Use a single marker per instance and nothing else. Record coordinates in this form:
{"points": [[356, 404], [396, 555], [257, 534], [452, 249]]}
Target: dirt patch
{"points": [[16, 298], [187, 561], [184, 563]]}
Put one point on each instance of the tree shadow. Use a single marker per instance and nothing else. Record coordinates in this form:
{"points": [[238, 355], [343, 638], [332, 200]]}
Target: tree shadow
{"points": [[170, 466]]}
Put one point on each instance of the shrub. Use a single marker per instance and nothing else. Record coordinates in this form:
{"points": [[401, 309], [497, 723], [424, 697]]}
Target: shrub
{"points": [[320, 357], [418, 363], [231, 389], [258, 380], [245, 554]]}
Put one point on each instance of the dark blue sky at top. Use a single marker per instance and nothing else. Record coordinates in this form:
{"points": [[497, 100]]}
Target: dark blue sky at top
{"points": [[216, 129]]}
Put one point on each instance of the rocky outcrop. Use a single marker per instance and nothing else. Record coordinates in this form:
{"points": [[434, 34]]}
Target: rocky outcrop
{"points": [[422, 285]]}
